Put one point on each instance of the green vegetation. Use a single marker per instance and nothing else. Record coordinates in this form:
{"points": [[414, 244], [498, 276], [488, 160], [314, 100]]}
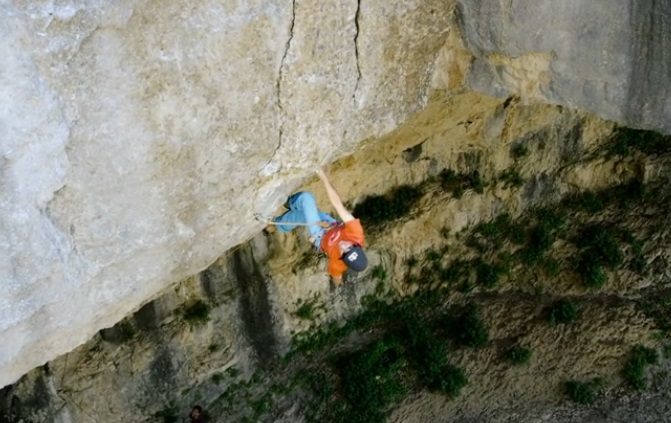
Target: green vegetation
{"points": [[539, 242], [492, 235], [466, 327], [127, 331], [593, 275], [489, 230], [626, 140], [619, 196], [544, 224], [357, 370], [511, 230], [586, 201], [412, 351], [379, 209], [666, 351], [599, 248], [458, 183], [411, 261], [379, 273], [487, 275], [562, 312], [581, 392], [455, 271], [551, 267], [168, 414], [625, 195], [196, 313], [639, 359], [519, 355], [434, 257], [309, 309], [658, 308], [501, 229], [429, 355], [233, 372], [551, 218], [217, 378], [511, 177], [262, 406], [372, 381], [518, 150], [413, 347]]}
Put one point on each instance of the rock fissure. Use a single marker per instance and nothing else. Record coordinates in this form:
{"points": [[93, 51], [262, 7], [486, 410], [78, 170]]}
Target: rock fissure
{"points": [[171, 110], [357, 32], [275, 150], [280, 106], [287, 46]]}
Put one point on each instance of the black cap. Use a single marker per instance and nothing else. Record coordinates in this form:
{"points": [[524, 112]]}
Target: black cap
{"points": [[355, 258]]}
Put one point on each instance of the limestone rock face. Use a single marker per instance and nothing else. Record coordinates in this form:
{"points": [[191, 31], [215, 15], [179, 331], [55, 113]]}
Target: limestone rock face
{"points": [[233, 356], [138, 139], [611, 57]]}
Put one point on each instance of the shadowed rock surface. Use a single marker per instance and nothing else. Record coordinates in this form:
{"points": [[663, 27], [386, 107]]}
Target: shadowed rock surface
{"points": [[139, 139]]}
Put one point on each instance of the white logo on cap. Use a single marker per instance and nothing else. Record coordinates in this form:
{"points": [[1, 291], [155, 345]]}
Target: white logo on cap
{"points": [[353, 256]]}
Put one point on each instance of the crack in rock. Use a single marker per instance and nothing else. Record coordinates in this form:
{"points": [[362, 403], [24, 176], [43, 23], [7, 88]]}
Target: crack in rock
{"points": [[287, 46], [357, 16], [268, 168]]}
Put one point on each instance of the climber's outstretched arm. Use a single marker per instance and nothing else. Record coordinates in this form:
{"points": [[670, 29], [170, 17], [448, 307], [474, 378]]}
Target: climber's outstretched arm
{"points": [[334, 198]]}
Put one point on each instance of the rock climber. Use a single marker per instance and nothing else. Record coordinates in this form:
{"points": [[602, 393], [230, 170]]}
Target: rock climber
{"points": [[341, 241]]}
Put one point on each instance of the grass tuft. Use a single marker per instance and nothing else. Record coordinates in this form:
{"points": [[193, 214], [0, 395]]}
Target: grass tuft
{"points": [[639, 359], [371, 380], [517, 151], [511, 177], [487, 275], [197, 313], [562, 312], [519, 355], [624, 141], [466, 327], [458, 183], [580, 392], [308, 309]]}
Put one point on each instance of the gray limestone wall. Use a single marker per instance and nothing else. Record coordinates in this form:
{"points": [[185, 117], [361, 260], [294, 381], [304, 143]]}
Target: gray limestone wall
{"points": [[612, 57]]}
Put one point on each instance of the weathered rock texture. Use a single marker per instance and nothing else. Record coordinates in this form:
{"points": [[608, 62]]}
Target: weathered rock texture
{"points": [[156, 363], [611, 57], [138, 138]]}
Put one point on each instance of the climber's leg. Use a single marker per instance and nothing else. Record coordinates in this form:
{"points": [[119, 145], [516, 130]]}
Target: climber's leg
{"points": [[302, 209], [325, 217]]}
